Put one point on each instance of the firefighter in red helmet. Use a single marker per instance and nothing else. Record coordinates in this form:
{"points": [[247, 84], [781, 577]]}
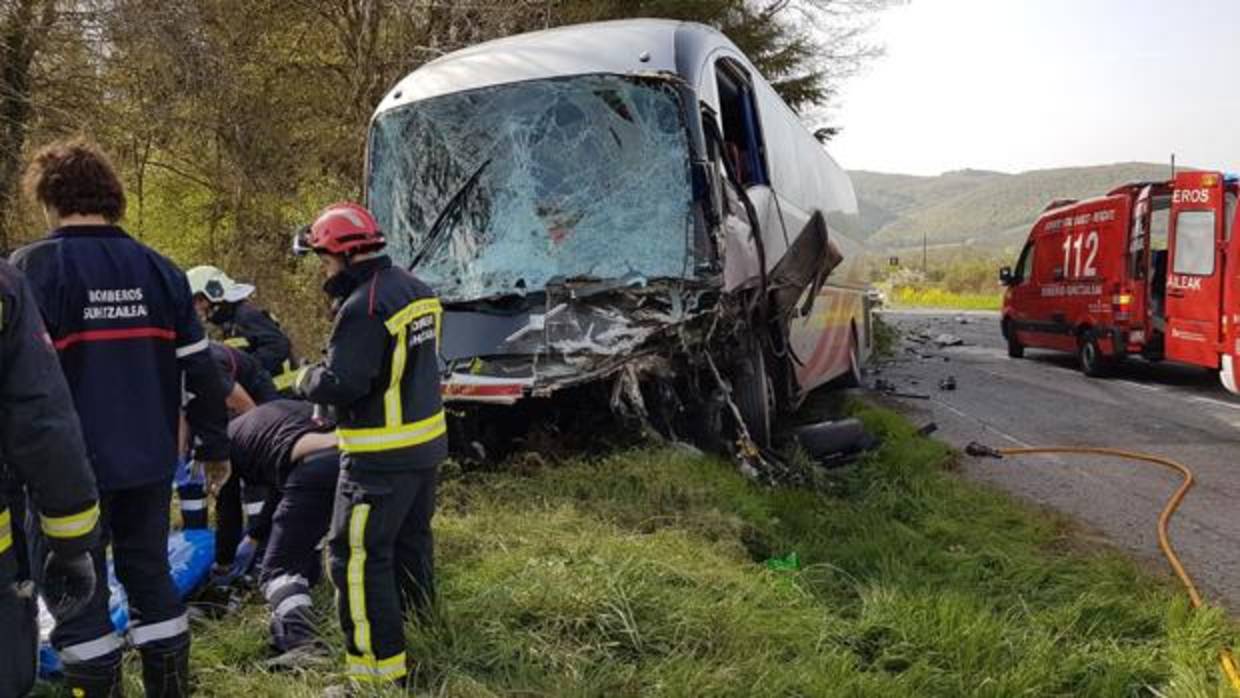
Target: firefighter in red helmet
{"points": [[382, 375]]}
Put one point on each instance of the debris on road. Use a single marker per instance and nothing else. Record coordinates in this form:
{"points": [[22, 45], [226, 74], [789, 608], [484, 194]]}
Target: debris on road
{"points": [[928, 429], [978, 450], [948, 340], [948, 383]]}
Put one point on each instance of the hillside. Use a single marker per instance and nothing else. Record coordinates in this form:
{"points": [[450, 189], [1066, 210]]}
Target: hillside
{"points": [[975, 206]]}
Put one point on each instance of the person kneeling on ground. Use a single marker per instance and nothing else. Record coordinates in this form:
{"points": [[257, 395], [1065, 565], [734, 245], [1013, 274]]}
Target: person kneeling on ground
{"points": [[246, 384], [281, 446]]}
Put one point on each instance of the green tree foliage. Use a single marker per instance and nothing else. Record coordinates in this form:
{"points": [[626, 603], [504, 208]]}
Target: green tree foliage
{"points": [[234, 120]]}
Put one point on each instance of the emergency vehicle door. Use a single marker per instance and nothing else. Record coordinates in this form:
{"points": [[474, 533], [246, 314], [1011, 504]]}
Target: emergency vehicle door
{"points": [[1195, 270]]}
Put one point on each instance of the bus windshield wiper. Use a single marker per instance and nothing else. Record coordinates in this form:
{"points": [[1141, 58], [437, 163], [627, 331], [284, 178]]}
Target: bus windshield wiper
{"points": [[454, 204]]}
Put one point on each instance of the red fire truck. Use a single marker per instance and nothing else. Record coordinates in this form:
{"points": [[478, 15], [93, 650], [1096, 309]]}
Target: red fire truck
{"points": [[1151, 269]]}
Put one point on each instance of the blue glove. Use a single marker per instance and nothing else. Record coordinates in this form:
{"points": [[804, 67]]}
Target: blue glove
{"points": [[187, 475]]}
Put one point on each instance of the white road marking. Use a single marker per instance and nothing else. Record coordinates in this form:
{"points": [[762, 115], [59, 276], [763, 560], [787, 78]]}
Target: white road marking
{"points": [[1143, 386], [983, 422], [1212, 401]]}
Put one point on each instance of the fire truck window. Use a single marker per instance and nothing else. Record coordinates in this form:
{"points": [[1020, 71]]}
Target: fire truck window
{"points": [[1194, 243], [1229, 214], [1136, 248], [1024, 268], [1160, 219]]}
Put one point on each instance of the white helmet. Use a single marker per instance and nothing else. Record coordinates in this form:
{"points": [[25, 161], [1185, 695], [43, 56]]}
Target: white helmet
{"points": [[217, 286]]}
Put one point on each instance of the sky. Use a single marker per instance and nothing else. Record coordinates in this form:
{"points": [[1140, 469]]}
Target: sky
{"points": [[1015, 85]]}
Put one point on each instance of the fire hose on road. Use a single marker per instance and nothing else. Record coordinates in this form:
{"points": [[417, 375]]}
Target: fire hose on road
{"points": [[1164, 540]]}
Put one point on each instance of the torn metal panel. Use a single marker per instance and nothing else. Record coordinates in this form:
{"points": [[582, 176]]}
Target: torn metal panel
{"points": [[568, 335], [801, 272]]}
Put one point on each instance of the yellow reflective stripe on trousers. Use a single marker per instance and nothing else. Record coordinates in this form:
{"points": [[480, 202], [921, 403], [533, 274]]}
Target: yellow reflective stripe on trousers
{"points": [[390, 438], [356, 576], [70, 526], [6, 530], [238, 342], [369, 669]]}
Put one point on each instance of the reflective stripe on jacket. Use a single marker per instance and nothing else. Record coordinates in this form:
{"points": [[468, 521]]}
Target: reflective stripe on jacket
{"points": [[382, 370]]}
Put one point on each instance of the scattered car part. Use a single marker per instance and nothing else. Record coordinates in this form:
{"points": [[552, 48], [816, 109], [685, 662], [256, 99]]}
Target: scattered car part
{"points": [[833, 437]]}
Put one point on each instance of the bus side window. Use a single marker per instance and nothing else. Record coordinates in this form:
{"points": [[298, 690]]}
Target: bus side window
{"points": [[741, 133]]}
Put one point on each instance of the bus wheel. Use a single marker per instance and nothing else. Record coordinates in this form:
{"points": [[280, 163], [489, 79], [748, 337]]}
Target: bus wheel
{"points": [[1016, 350], [751, 389], [1093, 363]]}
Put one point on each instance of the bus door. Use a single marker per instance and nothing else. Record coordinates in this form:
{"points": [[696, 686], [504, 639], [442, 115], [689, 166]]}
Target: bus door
{"points": [[1195, 270]]}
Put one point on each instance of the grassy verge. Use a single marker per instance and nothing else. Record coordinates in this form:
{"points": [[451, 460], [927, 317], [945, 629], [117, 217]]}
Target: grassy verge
{"points": [[909, 297], [643, 574], [886, 337]]}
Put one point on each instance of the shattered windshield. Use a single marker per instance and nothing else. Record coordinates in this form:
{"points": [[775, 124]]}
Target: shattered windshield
{"points": [[503, 189]]}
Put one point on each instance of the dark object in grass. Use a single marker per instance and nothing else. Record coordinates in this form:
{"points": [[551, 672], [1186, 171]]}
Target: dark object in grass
{"points": [[827, 438], [836, 443]]}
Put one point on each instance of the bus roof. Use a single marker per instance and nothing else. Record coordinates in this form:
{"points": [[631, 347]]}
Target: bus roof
{"points": [[623, 47]]}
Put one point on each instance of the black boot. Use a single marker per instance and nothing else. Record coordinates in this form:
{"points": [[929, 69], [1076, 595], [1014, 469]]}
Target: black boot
{"points": [[94, 680], [166, 674]]}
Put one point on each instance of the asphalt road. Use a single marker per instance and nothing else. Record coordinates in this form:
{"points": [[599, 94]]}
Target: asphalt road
{"points": [[1043, 400]]}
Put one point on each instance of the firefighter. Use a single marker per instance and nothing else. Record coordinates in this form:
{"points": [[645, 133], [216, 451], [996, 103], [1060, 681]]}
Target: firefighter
{"points": [[122, 319], [224, 303], [281, 446], [247, 382], [41, 446], [247, 385], [381, 373]]}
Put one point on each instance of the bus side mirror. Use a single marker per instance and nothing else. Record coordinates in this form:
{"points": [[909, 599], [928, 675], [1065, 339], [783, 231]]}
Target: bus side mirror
{"points": [[1005, 276]]}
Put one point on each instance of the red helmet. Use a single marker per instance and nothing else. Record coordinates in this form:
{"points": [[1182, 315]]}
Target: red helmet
{"points": [[344, 228]]}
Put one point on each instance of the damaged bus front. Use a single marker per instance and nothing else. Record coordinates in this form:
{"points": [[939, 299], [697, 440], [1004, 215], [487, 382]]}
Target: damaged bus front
{"points": [[582, 210]]}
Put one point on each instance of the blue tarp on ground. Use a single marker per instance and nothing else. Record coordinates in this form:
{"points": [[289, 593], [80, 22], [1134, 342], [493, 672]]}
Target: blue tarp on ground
{"points": [[190, 554]]}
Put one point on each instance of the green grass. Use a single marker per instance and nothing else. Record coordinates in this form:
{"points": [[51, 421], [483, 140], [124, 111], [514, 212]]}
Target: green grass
{"points": [[907, 297], [886, 337], [643, 574]]}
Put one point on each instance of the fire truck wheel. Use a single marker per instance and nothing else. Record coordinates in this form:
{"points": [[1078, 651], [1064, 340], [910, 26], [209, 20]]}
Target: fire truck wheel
{"points": [[1093, 363], [1016, 350]]}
